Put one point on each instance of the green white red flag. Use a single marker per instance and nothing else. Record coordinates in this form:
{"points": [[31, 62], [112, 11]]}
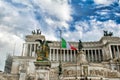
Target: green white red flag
{"points": [[65, 44]]}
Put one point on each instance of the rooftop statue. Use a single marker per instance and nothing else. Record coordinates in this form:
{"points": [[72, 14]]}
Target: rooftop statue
{"points": [[37, 31], [43, 50], [107, 34]]}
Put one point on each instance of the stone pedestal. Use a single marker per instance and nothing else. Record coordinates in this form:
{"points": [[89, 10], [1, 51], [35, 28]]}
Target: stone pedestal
{"points": [[81, 58], [82, 65], [42, 70], [22, 75]]}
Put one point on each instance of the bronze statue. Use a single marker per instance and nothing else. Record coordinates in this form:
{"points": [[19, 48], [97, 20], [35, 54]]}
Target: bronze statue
{"points": [[80, 46], [107, 34], [37, 31], [42, 52], [33, 32]]}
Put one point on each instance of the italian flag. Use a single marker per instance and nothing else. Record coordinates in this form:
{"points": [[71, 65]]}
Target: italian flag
{"points": [[65, 44]]}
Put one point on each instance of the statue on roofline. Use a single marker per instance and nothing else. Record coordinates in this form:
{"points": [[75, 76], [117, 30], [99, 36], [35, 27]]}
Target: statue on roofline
{"points": [[37, 31], [108, 34]]}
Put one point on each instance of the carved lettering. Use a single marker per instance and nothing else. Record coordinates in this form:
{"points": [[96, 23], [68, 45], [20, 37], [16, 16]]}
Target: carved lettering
{"points": [[103, 73]]}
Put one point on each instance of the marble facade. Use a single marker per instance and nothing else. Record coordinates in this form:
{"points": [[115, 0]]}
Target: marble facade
{"points": [[100, 61]]}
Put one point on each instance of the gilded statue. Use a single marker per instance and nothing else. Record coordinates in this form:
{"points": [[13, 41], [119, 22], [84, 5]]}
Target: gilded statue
{"points": [[43, 50]]}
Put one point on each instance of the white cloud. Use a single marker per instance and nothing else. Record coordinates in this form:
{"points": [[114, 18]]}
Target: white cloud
{"points": [[60, 9], [18, 21], [7, 44], [92, 30], [117, 14], [104, 2], [12, 29]]}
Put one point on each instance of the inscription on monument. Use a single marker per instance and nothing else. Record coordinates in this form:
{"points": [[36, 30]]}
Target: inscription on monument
{"points": [[103, 73]]}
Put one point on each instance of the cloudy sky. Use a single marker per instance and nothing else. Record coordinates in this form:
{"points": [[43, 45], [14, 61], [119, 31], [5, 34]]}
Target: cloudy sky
{"points": [[78, 19]]}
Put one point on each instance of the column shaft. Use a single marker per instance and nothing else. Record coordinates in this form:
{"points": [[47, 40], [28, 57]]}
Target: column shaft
{"points": [[114, 52], [88, 55], [30, 54], [74, 56], [67, 55], [57, 56], [95, 55], [99, 55], [71, 54], [92, 55], [35, 50], [64, 55], [26, 49], [118, 51], [53, 54]]}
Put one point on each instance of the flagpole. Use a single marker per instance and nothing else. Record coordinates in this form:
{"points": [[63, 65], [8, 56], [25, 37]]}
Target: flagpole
{"points": [[60, 58], [60, 45]]}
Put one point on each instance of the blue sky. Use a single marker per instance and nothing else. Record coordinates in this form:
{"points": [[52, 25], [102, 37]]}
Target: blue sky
{"points": [[78, 19]]}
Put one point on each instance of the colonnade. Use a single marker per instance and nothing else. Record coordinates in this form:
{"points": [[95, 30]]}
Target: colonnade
{"points": [[65, 55], [62, 55], [92, 55], [115, 50], [30, 49]]}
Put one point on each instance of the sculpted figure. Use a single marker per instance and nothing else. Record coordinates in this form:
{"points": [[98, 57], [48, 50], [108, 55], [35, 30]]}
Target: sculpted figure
{"points": [[33, 32], [80, 46], [107, 34], [43, 50], [37, 31]]}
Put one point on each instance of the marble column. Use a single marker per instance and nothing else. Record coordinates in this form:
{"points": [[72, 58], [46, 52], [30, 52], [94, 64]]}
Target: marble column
{"points": [[114, 52], [95, 55], [71, 55], [97, 58], [67, 55], [30, 48], [92, 55], [110, 51], [64, 55], [118, 51], [57, 55], [74, 56], [35, 50], [26, 49], [99, 55], [61, 55], [88, 55]]}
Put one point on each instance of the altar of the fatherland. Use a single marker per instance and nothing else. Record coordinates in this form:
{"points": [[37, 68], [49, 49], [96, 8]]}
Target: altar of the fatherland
{"points": [[47, 60]]}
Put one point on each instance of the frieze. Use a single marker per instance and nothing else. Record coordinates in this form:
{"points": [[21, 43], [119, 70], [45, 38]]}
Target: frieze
{"points": [[94, 72], [70, 73], [104, 73]]}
